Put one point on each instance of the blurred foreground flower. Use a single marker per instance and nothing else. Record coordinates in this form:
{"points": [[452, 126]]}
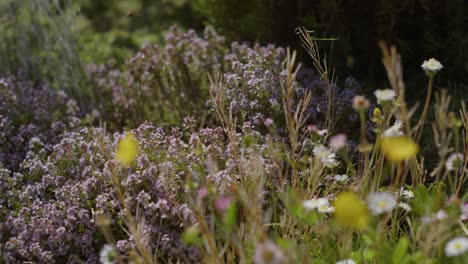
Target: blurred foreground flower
{"points": [[381, 202], [268, 122], [360, 103], [321, 204], [454, 162], [127, 149], [315, 203], [341, 177], [464, 212], [338, 142], [108, 255], [456, 247], [326, 157], [268, 253], [407, 194], [399, 148], [350, 211], [384, 96], [404, 206], [222, 203], [394, 131], [431, 66]]}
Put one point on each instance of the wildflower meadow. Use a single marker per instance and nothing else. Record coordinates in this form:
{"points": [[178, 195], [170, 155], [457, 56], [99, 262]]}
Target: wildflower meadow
{"points": [[194, 146]]}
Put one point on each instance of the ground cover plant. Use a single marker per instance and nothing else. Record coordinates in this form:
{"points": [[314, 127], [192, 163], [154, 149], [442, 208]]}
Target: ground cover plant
{"points": [[200, 151]]}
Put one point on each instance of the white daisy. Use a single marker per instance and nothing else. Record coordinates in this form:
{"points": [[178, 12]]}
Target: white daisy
{"points": [[268, 253], [341, 178], [404, 206], [456, 246], [326, 156], [454, 162], [326, 209], [108, 255], [381, 202], [395, 130], [322, 132], [385, 95], [315, 203], [431, 66], [406, 193]]}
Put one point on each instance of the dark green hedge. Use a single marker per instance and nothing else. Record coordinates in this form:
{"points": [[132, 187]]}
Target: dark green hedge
{"points": [[420, 29]]}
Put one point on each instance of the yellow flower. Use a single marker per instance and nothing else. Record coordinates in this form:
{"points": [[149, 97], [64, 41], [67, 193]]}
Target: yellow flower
{"points": [[127, 149], [399, 148], [377, 112], [351, 211]]}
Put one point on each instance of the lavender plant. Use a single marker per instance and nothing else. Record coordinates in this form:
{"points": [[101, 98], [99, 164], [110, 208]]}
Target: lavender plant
{"points": [[164, 84], [32, 119], [160, 83], [50, 209]]}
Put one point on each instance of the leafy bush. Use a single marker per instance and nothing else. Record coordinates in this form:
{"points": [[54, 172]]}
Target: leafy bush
{"points": [[39, 44]]}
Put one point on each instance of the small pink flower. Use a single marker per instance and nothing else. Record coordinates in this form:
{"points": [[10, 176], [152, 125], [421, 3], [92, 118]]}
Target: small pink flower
{"points": [[268, 253], [268, 122], [338, 142], [202, 193], [312, 128], [222, 203], [464, 209], [360, 103]]}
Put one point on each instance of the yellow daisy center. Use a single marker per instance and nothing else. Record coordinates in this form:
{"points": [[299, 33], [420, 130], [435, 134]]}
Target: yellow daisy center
{"points": [[382, 204]]}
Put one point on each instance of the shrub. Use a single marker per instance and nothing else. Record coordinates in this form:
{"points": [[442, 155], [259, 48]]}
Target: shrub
{"points": [[164, 84], [51, 207], [33, 117]]}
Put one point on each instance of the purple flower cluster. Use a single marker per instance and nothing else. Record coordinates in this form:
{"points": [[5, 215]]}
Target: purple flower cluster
{"points": [[164, 84], [32, 118], [160, 83], [338, 98], [253, 81], [48, 210]]}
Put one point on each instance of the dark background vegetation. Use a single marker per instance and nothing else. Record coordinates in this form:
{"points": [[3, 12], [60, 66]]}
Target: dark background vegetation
{"points": [[60, 35]]}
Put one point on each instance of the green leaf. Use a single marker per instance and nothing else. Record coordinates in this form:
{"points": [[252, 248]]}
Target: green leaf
{"points": [[400, 252], [230, 218], [191, 236], [249, 141]]}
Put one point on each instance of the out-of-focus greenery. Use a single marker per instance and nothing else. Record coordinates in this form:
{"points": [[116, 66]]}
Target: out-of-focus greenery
{"points": [[38, 43], [50, 41], [117, 28]]}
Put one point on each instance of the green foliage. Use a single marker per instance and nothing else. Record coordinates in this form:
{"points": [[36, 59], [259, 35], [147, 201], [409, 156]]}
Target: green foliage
{"points": [[117, 28], [38, 43]]}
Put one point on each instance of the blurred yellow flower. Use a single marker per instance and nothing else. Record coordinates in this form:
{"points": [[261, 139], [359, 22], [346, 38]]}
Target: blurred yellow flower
{"points": [[127, 149], [377, 112], [351, 211], [399, 148]]}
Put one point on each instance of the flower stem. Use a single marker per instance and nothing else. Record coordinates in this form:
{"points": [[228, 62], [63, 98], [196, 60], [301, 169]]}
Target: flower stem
{"points": [[424, 112]]}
